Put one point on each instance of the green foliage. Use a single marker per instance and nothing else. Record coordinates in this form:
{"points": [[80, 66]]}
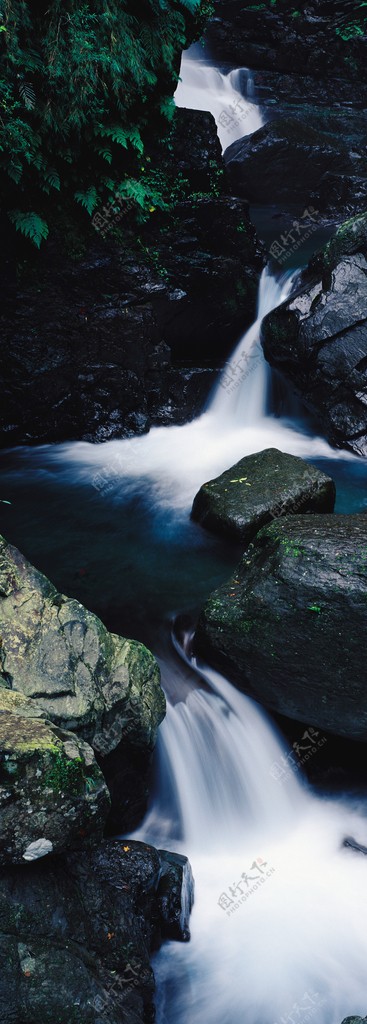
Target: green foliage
{"points": [[83, 85], [30, 225]]}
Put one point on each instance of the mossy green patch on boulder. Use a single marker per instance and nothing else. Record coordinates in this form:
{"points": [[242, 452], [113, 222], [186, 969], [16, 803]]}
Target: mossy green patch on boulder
{"points": [[260, 488], [101, 686], [53, 796], [288, 627]]}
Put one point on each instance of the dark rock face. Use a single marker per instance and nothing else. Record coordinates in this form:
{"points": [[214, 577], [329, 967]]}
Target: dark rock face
{"points": [[318, 339], [101, 686], [270, 36], [76, 936], [105, 343], [287, 627], [291, 159], [258, 489]]}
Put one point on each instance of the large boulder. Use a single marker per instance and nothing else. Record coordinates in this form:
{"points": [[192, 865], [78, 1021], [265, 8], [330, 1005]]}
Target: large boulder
{"points": [[76, 935], [286, 160], [53, 796], [104, 688], [258, 489], [318, 338], [289, 627]]}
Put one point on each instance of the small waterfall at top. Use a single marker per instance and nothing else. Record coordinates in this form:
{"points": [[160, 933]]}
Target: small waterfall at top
{"points": [[278, 932], [203, 87]]}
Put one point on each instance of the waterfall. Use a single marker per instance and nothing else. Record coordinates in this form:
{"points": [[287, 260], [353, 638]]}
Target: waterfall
{"points": [[241, 394], [204, 87], [278, 930], [172, 462]]}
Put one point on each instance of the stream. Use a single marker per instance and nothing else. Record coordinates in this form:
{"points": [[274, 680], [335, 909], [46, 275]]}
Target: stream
{"points": [[278, 928]]}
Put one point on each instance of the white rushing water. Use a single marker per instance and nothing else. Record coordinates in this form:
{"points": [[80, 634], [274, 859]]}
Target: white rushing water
{"points": [[278, 929], [230, 98], [175, 461]]}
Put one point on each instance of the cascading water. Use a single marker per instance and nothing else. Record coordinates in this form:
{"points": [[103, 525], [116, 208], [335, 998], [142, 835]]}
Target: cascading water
{"points": [[204, 87], [173, 462], [278, 930]]}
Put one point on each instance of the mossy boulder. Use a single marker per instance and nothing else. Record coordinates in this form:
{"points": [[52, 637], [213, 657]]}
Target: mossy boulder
{"points": [[102, 687], [53, 796], [288, 628], [258, 489]]}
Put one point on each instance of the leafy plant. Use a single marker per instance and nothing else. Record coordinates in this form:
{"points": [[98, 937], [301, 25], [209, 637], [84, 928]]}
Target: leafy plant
{"points": [[82, 85]]}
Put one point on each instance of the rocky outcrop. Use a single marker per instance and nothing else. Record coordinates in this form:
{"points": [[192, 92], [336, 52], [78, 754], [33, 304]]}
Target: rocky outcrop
{"points": [[318, 338], [287, 627], [53, 796], [104, 338], [293, 160], [102, 687], [354, 1020], [311, 41], [258, 489], [76, 935]]}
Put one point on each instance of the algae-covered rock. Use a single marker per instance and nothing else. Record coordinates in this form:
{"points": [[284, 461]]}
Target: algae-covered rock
{"points": [[53, 796], [289, 627], [101, 686], [258, 489]]}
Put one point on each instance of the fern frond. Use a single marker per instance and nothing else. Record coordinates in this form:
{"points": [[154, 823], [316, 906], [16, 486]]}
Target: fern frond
{"points": [[88, 199], [28, 95], [29, 224]]}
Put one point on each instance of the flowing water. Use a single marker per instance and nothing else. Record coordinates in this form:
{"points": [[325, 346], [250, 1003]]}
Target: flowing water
{"points": [[229, 97], [278, 927]]}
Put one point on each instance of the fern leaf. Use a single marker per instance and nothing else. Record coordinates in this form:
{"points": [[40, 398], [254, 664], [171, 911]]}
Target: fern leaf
{"points": [[52, 178], [105, 153], [28, 95], [116, 133], [88, 199], [29, 224], [136, 139]]}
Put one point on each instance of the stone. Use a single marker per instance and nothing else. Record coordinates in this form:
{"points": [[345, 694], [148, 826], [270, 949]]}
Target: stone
{"points": [[76, 934], [260, 488], [104, 688], [176, 895], [318, 338], [53, 796], [285, 161], [287, 627]]}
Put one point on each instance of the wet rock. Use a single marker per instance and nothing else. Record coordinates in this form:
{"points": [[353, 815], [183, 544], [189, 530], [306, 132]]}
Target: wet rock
{"points": [[258, 489], [318, 338], [53, 796], [286, 161], [101, 686], [287, 627], [76, 935], [176, 895]]}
